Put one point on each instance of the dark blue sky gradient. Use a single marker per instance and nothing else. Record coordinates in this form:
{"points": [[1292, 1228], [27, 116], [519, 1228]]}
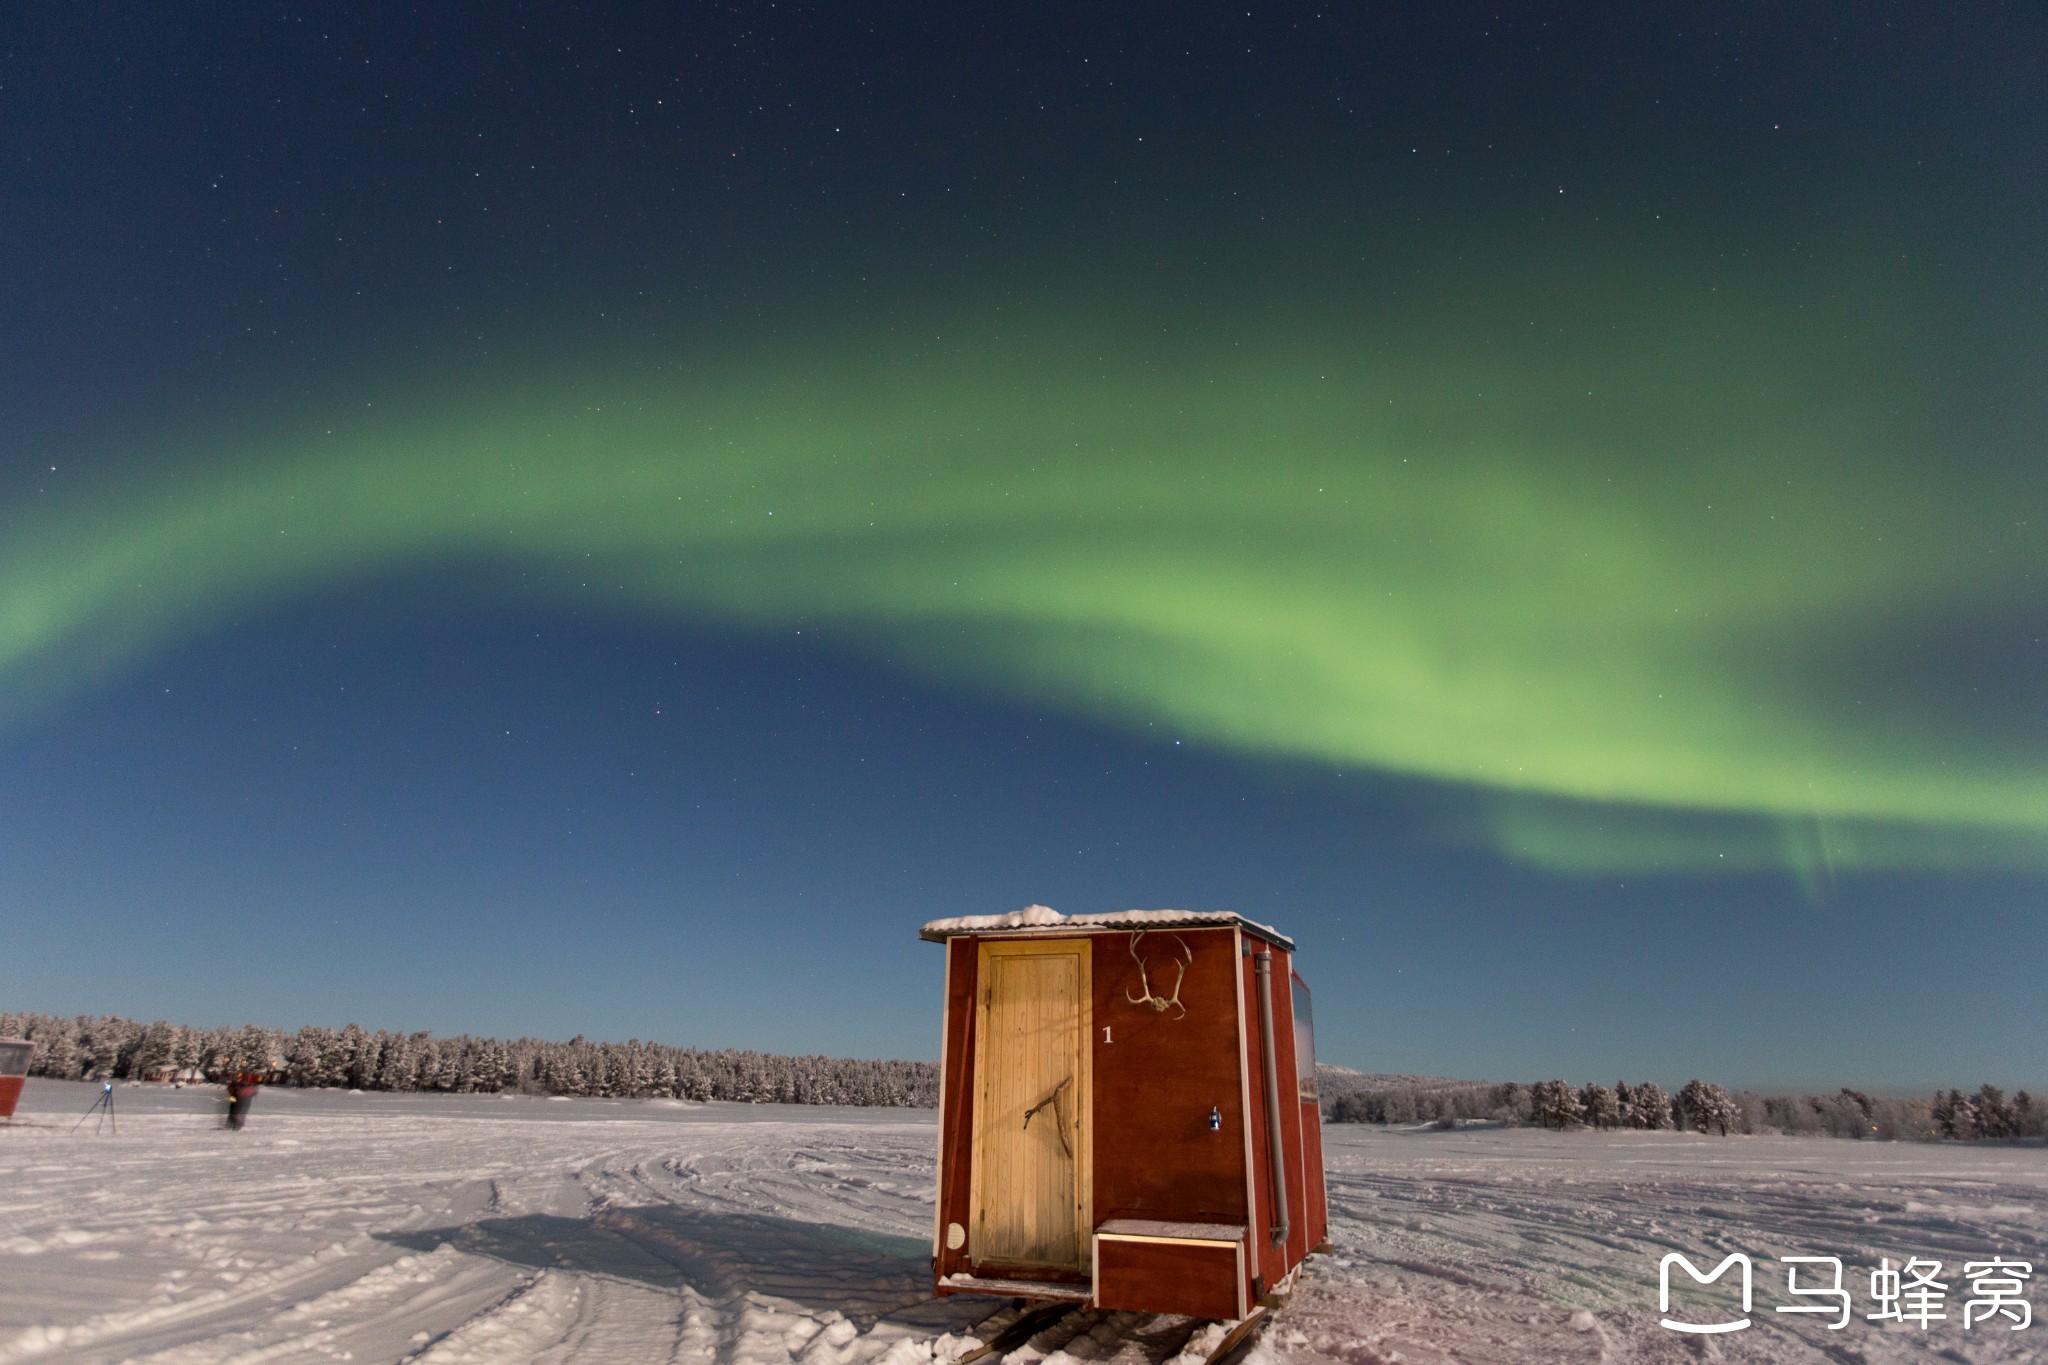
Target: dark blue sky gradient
{"points": [[403, 807], [422, 802]]}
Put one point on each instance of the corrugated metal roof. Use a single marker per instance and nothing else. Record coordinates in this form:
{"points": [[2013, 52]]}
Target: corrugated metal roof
{"points": [[1043, 920]]}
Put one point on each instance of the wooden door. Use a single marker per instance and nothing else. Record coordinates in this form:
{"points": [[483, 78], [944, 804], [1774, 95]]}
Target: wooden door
{"points": [[1032, 1101]]}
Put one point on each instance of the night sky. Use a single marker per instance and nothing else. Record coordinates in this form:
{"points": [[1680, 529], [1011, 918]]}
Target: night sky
{"points": [[536, 520]]}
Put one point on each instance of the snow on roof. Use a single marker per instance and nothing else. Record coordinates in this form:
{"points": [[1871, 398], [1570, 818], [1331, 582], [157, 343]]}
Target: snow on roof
{"points": [[1047, 920]]}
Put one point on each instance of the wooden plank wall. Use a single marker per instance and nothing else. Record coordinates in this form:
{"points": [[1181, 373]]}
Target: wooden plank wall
{"points": [[956, 1102], [1157, 1075]]}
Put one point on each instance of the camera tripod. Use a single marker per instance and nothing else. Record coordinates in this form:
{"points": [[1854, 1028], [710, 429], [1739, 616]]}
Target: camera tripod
{"points": [[104, 1108]]}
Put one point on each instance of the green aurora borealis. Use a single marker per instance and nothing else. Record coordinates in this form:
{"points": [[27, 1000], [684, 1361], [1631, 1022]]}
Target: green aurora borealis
{"points": [[1642, 575]]}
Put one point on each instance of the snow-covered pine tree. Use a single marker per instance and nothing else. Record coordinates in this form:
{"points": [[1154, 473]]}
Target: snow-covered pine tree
{"points": [[1685, 1104], [1507, 1103], [470, 1066], [1955, 1115], [1706, 1106], [1602, 1107], [355, 1050], [153, 1054], [1944, 1111], [1720, 1110], [394, 1062], [426, 1062], [1994, 1115], [305, 1056], [185, 1050], [1649, 1109], [448, 1065], [103, 1041], [55, 1052], [1553, 1105]]}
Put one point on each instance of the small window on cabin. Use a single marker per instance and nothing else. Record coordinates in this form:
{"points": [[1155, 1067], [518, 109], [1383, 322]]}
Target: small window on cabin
{"points": [[13, 1059], [1304, 1040]]}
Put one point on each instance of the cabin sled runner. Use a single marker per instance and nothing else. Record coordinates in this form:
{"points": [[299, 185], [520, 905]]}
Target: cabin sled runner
{"points": [[1129, 1116]]}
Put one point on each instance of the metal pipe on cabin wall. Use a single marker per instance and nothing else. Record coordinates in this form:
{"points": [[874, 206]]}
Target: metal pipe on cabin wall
{"points": [[1276, 1155]]}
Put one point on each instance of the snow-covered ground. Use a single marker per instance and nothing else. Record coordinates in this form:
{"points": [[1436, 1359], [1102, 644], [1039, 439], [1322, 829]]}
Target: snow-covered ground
{"points": [[1527, 1245], [458, 1229]]}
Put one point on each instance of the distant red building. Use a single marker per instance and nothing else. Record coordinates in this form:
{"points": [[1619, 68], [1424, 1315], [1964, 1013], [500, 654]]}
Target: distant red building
{"points": [[13, 1073], [1128, 1116]]}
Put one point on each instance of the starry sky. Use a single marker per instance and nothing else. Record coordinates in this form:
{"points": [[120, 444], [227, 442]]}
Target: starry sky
{"points": [[534, 519]]}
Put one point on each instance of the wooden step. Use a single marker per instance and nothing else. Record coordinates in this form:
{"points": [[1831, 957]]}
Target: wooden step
{"points": [[962, 1283]]}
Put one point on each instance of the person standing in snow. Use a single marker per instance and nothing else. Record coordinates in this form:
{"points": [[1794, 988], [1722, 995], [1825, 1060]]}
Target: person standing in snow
{"points": [[241, 1094]]}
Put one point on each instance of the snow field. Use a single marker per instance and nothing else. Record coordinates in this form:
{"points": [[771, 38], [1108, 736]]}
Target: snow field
{"points": [[476, 1229], [446, 1229], [1531, 1245]]}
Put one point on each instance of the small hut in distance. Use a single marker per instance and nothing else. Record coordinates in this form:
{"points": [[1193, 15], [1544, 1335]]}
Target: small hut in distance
{"points": [[1128, 1115], [14, 1055]]}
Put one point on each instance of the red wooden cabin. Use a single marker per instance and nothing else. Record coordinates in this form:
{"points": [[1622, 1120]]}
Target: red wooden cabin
{"points": [[13, 1072], [1129, 1114]]}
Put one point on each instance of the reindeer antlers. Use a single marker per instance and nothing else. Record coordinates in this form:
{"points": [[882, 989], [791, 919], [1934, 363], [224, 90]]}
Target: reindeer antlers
{"points": [[1161, 1003]]}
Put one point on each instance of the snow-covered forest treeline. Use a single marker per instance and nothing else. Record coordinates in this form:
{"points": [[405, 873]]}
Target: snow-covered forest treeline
{"points": [[89, 1047], [1699, 1105], [105, 1047]]}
